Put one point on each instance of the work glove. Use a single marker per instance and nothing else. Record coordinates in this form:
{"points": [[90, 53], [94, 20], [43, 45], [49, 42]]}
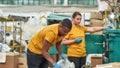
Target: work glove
{"points": [[107, 27], [55, 65], [78, 40], [63, 57]]}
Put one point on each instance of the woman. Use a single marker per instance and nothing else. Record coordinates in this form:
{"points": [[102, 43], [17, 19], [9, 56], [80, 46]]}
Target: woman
{"points": [[75, 40]]}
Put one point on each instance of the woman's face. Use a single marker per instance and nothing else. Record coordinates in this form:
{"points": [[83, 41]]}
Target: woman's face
{"points": [[77, 20]]}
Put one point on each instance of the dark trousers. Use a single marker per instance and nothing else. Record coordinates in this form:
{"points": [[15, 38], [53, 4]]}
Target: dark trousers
{"points": [[78, 61], [36, 60]]}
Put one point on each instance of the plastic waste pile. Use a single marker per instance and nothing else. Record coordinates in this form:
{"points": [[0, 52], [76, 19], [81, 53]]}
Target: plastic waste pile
{"points": [[66, 64]]}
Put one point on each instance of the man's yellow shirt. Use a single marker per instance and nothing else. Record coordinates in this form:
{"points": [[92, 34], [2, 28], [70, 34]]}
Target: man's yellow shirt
{"points": [[49, 33], [77, 49]]}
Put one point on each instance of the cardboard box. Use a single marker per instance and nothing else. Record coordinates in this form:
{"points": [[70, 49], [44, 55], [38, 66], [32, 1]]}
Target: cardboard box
{"points": [[86, 66], [11, 61], [96, 22], [96, 15], [22, 63], [110, 65], [95, 60]]}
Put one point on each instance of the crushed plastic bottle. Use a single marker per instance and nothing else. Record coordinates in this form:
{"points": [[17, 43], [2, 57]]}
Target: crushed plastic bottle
{"points": [[66, 64]]}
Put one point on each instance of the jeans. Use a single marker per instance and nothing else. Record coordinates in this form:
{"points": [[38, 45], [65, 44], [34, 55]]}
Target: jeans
{"points": [[36, 60], [78, 61]]}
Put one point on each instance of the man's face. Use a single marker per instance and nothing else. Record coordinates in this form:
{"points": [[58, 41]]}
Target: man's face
{"points": [[63, 30]]}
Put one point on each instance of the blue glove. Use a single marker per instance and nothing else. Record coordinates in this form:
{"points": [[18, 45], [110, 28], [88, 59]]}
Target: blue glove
{"points": [[78, 40], [63, 57], [55, 65], [107, 27]]}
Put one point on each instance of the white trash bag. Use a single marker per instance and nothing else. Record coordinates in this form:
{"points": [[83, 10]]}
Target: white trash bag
{"points": [[66, 64]]}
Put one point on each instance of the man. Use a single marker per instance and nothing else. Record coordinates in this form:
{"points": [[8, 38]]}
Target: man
{"points": [[39, 44]]}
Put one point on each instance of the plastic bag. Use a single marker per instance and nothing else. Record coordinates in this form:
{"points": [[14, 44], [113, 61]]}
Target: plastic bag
{"points": [[4, 48], [66, 64]]}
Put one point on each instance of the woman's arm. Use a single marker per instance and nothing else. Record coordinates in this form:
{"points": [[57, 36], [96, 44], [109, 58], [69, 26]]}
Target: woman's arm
{"points": [[94, 29], [67, 42]]}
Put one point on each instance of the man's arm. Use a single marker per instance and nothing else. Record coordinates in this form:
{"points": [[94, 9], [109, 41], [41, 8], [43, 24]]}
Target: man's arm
{"points": [[59, 47], [45, 48]]}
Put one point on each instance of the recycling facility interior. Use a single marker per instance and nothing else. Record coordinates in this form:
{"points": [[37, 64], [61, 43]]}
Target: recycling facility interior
{"points": [[18, 16]]}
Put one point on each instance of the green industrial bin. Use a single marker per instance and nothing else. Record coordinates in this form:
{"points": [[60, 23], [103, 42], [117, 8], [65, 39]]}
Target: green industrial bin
{"points": [[114, 45]]}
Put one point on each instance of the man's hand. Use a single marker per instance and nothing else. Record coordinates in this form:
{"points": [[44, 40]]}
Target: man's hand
{"points": [[78, 40], [55, 65]]}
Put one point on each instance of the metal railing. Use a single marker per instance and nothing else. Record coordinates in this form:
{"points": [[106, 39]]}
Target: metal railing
{"points": [[48, 2]]}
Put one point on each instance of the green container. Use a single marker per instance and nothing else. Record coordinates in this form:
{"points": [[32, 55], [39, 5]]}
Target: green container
{"points": [[94, 43], [53, 50], [114, 45]]}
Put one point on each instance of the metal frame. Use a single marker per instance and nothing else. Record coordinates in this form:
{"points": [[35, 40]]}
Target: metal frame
{"points": [[49, 2], [5, 20]]}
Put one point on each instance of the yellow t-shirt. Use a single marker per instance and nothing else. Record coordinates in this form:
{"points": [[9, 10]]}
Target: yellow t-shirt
{"points": [[49, 33], [77, 49]]}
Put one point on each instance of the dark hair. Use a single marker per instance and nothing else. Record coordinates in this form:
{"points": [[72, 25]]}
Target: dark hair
{"points": [[75, 14], [66, 23]]}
